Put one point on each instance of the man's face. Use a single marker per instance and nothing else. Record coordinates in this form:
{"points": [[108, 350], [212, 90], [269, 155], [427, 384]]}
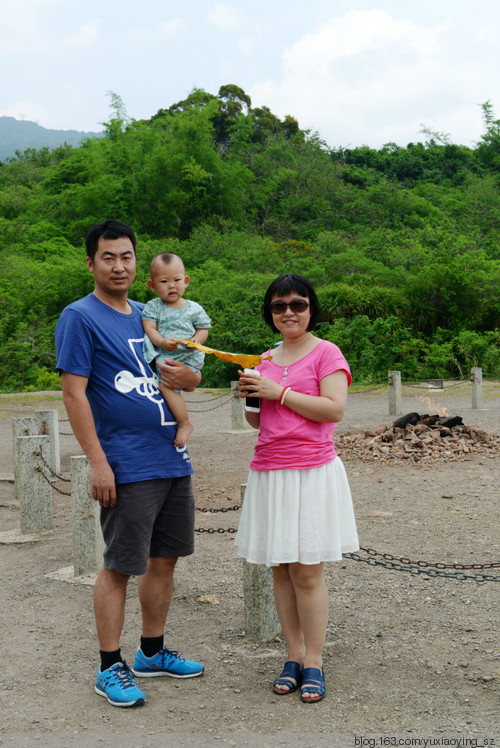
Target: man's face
{"points": [[114, 265]]}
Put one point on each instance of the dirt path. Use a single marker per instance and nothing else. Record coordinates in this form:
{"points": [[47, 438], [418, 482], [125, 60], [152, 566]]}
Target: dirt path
{"points": [[407, 656]]}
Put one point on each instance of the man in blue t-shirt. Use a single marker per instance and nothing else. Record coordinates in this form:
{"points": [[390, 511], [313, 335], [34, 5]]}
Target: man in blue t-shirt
{"points": [[141, 481]]}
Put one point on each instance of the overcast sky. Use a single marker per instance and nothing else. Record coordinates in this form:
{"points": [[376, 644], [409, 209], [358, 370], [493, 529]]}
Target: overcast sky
{"points": [[356, 71]]}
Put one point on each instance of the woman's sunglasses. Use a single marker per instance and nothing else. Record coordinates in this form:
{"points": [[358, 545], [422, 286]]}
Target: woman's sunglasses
{"points": [[296, 306]]}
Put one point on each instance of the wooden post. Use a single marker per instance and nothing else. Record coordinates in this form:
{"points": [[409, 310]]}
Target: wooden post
{"points": [[394, 380]]}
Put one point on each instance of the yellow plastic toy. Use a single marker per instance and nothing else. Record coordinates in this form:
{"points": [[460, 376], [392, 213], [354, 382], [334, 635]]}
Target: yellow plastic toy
{"points": [[245, 360]]}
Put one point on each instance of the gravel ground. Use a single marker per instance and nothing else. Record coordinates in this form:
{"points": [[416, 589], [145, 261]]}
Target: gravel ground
{"points": [[408, 657]]}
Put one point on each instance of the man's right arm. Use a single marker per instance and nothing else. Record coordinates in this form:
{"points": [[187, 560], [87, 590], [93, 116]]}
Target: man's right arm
{"points": [[102, 479]]}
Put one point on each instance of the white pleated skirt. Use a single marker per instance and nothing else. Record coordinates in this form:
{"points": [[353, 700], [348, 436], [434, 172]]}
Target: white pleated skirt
{"points": [[293, 515]]}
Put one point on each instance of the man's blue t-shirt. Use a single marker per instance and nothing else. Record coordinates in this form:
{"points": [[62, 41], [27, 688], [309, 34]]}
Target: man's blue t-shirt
{"points": [[133, 422]]}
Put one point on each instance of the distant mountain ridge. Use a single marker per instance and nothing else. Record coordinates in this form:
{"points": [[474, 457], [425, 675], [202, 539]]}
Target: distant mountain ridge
{"points": [[18, 135]]}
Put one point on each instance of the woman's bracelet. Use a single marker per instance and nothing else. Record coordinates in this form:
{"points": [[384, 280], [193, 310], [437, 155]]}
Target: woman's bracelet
{"points": [[284, 394]]}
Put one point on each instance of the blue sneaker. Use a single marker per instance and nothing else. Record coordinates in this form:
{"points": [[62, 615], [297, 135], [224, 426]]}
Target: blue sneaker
{"points": [[165, 662], [117, 685]]}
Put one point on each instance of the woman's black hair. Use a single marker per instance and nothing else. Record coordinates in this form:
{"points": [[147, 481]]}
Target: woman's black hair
{"points": [[288, 284]]}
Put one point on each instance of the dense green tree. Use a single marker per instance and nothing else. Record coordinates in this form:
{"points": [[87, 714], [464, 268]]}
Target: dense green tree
{"points": [[402, 244]]}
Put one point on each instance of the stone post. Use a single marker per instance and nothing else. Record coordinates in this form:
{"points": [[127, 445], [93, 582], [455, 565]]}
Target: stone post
{"points": [[261, 620], [35, 493], [394, 380], [88, 545], [44, 423], [476, 376], [20, 427], [238, 420], [48, 422]]}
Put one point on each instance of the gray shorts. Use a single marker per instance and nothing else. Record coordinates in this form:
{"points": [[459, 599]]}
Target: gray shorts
{"points": [[150, 518]]}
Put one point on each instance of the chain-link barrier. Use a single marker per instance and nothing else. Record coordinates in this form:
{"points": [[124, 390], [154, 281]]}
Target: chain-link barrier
{"points": [[51, 484], [428, 564], [373, 558], [219, 530], [210, 399], [222, 509], [65, 433], [214, 510], [53, 474], [49, 468], [388, 560], [226, 398], [427, 571], [213, 407], [423, 386], [372, 389]]}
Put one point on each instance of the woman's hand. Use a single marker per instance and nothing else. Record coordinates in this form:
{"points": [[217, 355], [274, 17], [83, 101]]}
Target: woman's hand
{"points": [[327, 407], [256, 386]]}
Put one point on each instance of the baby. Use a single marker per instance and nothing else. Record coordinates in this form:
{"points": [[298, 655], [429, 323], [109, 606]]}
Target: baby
{"points": [[171, 317]]}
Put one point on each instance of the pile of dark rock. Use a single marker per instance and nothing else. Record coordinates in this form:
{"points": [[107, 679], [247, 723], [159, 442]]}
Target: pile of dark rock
{"points": [[419, 438]]}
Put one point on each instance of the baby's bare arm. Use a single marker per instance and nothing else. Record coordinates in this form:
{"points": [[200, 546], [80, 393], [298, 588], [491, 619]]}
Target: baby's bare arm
{"points": [[157, 340], [200, 335]]}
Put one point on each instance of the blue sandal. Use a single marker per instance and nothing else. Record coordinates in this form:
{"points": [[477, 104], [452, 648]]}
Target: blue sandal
{"points": [[291, 672], [313, 682]]}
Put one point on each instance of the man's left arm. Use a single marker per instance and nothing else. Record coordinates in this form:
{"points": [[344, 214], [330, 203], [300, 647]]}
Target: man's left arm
{"points": [[177, 376]]}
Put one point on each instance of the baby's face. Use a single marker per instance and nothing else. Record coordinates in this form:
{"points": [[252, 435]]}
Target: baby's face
{"points": [[169, 280]]}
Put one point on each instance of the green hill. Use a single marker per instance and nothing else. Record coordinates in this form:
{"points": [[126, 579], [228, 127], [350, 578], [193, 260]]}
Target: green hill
{"points": [[401, 244], [19, 135]]}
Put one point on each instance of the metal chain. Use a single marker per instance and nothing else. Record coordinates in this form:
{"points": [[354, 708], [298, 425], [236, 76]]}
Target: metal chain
{"points": [[373, 389], [63, 493], [211, 399], [214, 407], [425, 387], [415, 570], [396, 563], [59, 477], [223, 509], [428, 564], [220, 530]]}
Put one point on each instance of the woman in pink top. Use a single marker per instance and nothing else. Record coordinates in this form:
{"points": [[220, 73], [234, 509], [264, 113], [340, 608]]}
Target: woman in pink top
{"points": [[297, 512]]}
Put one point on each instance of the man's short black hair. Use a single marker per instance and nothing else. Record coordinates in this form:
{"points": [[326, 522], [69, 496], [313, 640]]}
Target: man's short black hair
{"points": [[288, 284], [110, 229]]}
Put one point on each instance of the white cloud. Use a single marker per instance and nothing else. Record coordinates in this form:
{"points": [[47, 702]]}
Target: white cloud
{"points": [[246, 44], [173, 27], [25, 109], [19, 25], [146, 37], [226, 18], [346, 36], [367, 72], [363, 76], [25, 29], [85, 37]]}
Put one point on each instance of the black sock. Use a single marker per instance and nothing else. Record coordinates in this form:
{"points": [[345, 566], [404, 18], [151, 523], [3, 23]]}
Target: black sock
{"points": [[110, 658], [151, 645]]}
